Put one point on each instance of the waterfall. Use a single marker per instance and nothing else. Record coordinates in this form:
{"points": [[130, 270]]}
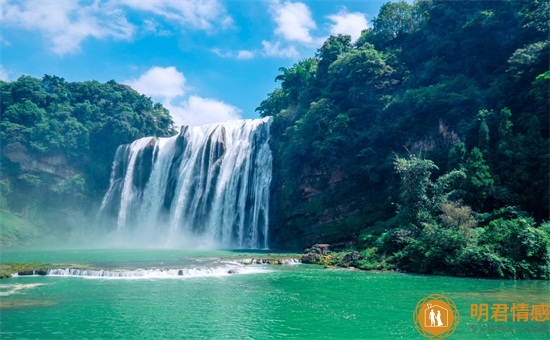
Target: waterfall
{"points": [[210, 182]]}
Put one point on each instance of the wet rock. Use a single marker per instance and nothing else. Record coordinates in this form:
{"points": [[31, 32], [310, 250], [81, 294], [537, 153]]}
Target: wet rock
{"points": [[352, 257], [25, 272], [180, 272], [231, 271], [29, 272], [310, 258]]}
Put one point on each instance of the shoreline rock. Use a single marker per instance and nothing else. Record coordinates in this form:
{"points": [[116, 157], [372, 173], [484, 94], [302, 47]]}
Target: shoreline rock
{"points": [[8, 270], [340, 254]]}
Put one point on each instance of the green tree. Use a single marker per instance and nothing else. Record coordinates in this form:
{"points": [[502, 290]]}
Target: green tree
{"points": [[25, 113], [526, 248], [457, 156], [359, 77], [478, 182], [28, 88], [74, 187], [415, 206], [329, 52], [297, 80], [395, 19], [484, 137]]}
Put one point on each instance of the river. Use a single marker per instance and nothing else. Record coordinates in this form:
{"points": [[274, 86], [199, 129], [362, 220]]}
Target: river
{"points": [[149, 293]]}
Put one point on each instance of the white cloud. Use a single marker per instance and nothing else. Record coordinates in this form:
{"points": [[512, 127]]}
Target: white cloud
{"points": [[168, 86], [3, 41], [293, 31], [221, 53], [3, 74], [275, 50], [245, 54], [242, 54], [67, 23], [295, 28], [204, 14], [294, 21], [161, 83], [348, 23], [199, 111], [151, 26]]}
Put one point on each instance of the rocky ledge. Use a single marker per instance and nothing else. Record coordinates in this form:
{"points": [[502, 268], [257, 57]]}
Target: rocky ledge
{"points": [[23, 269], [342, 255], [271, 260]]}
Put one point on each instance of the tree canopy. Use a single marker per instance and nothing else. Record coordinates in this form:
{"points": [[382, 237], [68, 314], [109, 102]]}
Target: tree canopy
{"points": [[460, 86], [77, 125]]}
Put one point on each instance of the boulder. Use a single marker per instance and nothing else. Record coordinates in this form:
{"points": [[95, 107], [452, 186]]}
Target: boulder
{"points": [[352, 257], [310, 258], [321, 249]]}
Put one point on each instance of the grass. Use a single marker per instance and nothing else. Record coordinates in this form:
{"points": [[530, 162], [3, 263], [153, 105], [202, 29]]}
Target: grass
{"points": [[15, 230]]}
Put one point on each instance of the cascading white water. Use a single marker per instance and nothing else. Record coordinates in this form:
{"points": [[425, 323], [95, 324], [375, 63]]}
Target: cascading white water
{"points": [[218, 270], [209, 181]]}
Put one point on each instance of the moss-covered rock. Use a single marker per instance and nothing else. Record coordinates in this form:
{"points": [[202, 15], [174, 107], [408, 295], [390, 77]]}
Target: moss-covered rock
{"points": [[24, 268]]}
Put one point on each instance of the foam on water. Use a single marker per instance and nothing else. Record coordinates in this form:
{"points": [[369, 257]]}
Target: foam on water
{"points": [[10, 289], [226, 269], [289, 261]]}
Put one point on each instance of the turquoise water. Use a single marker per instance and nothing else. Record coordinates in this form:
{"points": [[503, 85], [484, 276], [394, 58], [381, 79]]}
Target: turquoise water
{"points": [[253, 301]]}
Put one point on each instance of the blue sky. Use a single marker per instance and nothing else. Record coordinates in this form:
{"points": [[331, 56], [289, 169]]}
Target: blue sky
{"points": [[206, 61]]}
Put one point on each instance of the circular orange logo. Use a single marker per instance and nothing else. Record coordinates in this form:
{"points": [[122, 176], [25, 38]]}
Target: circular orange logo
{"points": [[436, 316]]}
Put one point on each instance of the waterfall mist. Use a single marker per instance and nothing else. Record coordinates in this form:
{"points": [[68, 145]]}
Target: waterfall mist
{"points": [[207, 186]]}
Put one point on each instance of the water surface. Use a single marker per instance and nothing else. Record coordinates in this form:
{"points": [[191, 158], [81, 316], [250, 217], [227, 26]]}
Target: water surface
{"points": [[253, 301]]}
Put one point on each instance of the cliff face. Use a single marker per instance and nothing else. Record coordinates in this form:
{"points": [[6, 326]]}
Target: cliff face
{"points": [[51, 165], [44, 196], [320, 207]]}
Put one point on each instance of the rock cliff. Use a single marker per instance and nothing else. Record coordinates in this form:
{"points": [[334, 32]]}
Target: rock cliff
{"points": [[54, 165]]}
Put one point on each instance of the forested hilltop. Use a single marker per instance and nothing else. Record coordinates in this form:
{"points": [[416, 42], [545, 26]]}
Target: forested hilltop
{"points": [[58, 140], [424, 143]]}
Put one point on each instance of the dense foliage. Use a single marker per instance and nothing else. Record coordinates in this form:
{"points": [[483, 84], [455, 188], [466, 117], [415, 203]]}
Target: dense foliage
{"points": [[59, 138], [427, 140]]}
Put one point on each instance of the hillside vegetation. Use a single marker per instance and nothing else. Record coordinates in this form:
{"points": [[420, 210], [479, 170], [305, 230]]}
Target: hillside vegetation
{"points": [[58, 141], [424, 142]]}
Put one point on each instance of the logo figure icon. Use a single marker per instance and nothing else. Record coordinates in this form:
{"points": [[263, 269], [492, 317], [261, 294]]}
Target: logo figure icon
{"points": [[436, 316]]}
